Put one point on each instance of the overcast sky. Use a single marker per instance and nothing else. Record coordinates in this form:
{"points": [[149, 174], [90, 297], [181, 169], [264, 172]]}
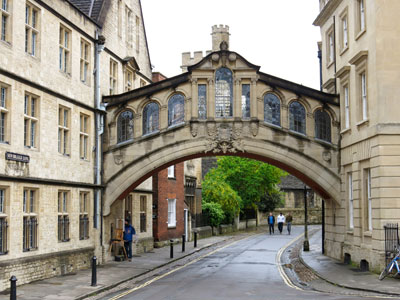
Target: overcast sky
{"points": [[277, 35]]}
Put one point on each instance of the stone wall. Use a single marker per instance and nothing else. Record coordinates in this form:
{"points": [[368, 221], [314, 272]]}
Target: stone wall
{"points": [[314, 215], [43, 266]]}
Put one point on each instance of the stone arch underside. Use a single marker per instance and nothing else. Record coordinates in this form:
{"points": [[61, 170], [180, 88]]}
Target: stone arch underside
{"points": [[311, 170]]}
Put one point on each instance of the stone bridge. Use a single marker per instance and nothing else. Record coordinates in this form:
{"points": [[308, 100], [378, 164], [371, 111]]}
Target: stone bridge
{"points": [[222, 105]]}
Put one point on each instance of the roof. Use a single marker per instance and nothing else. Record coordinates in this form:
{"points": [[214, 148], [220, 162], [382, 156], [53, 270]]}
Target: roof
{"points": [[91, 8], [291, 182]]}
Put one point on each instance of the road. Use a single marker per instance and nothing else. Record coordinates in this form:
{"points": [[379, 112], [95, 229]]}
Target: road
{"points": [[246, 269]]}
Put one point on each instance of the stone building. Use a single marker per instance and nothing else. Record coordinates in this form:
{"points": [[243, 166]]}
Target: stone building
{"points": [[360, 59], [51, 57]]}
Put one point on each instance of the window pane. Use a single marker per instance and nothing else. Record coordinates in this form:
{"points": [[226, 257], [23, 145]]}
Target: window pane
{"points": [[202, 101], [176, 109], [297, 116], [125, 126], [272, 109], [246, 101], [3, 27], [223, 93], [2, 126], [322, 125], [33, 131], [3, 97], [2, 204], [150, 118]]}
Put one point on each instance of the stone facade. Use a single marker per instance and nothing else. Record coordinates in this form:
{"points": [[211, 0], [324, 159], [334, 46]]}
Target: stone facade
{"points": [[48, 112], [360, 62]]}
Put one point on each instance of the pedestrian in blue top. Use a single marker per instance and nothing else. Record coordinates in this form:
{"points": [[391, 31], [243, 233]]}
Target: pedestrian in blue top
{"points": [[271, 223], [129, 231]]}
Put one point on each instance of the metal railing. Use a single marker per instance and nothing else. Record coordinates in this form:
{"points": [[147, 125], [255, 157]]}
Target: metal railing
{"points": [[63, 228], [3, 236], [391, 240], [30, 233], [83, 227]]}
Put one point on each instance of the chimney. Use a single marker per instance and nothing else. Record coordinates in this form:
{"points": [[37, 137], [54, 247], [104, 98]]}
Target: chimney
{"points": [[219, 34]]}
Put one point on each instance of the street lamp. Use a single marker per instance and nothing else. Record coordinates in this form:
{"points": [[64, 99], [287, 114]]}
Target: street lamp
{"points": [[306, 244]]}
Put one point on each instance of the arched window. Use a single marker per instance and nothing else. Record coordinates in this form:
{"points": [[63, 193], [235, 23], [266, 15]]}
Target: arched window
{"points": [[297, 117], [125, 126], [150, 118], [223, 93], [176, 109], [272, 109], [322, 125]]}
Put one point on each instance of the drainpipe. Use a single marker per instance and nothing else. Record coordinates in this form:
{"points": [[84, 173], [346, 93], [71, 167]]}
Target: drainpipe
{"points": [[99, 129], [334, 52], [323, 200]]}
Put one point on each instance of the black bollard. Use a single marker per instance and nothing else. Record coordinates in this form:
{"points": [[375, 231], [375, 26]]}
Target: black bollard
{"points": [[13, 291], [195, 239], [94, 269], [183, 242], [171, 253]]}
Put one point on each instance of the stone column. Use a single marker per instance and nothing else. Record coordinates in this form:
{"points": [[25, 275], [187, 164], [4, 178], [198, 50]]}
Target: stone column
{"points": [[211, 99], [137, 126], [163, 117], [285, 116], [310, 124], [253, 98], [195, 100], [237, 99]]}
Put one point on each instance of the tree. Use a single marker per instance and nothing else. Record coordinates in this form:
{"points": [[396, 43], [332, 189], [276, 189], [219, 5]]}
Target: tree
{"points": [[214, 213]]}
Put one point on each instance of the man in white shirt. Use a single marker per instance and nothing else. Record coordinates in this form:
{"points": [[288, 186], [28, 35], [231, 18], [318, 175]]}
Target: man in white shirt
{"points": [[281, 220]]}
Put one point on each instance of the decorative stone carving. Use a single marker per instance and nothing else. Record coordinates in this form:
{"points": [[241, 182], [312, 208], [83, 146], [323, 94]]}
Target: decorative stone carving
{"points": [[194, 128], [118, 159], [15, 168], [327, 156], [224, 138], [254, 128], [232, 57], [215, 57]]}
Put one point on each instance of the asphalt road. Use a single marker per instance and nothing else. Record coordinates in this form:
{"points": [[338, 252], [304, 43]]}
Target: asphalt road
{"points": [[246, 269]]}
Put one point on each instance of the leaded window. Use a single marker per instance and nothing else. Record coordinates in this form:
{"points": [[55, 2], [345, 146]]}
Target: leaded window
{"points": [[202, 101], [150, 118], [176, 109], [246, 101], [297, 117], [272, 109], [322, 125], [223, 93], [125, 126]]}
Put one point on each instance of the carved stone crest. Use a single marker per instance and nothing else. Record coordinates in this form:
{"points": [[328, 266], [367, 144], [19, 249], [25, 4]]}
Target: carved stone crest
{"points": [[327, 156], [224, 138], [254, 128], [118, 159], [194, 128]]}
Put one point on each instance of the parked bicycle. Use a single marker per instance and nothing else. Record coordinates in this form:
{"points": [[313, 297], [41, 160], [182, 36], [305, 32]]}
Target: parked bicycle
{"points": [[390, 267]]}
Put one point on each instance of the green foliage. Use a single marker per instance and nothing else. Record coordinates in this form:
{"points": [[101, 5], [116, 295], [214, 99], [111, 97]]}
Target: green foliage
{"points": [[214, 213], [241, 184]]}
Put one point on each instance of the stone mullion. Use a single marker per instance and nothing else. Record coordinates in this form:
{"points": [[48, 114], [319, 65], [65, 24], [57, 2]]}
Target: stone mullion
{"points": [[285, 116], [211, 99], [163, 117], [237, 100], [310, 125], [195, 100], [137, 126]]}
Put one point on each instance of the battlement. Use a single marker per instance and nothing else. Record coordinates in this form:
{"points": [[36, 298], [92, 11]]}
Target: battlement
{"points": [[189, 60], [220, 33], [220, 28]]}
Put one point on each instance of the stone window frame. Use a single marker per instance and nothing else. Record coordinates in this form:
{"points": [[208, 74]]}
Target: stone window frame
{"points": [[65, 46], [84, 136], [64, 130], [171, 213], [180, 99], [143, 213], [318, 124], [32, 32], [123, 128], [84, 209], [231, 104], [345, 98], [137, 25], [128, 27], [119, 16], [129, 75], [367, 198], [146, 122], [5, 104], [360, 18], [290, 116], [6, 18], [202, 89], [30, 219], [278, 98], [245, 100], [31, 120], [350, 199], [330, 46], [85, 53], [360, 61], [4, 210], [344, 31], [113, 76], [63, 212]]}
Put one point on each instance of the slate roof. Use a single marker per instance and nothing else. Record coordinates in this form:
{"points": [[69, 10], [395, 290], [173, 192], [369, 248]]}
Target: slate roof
{"points": [[291, 183], [91, 8]]}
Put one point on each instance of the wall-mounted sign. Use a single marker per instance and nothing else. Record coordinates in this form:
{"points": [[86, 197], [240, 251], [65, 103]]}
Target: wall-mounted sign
{"points": [[17, 157]]}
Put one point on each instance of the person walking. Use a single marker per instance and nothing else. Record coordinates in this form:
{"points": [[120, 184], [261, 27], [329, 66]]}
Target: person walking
{"points": [[289, 220], [129, 231], [271, 223], [281, 220]]}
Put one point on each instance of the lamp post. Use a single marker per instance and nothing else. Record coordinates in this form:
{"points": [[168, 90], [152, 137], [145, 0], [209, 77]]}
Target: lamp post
{"points": [[306, 244]]}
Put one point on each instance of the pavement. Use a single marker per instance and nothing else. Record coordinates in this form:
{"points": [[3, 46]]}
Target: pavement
{"points": [[77, 286], [346, 276]]}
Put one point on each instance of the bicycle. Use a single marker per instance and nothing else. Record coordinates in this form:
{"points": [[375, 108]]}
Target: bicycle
{"points": [[389, 268]]}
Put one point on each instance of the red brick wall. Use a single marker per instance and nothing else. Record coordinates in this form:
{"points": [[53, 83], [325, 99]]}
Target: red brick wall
{"points": [[168, 188]]}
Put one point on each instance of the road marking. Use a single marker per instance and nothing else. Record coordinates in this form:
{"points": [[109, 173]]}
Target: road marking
{"points": [[177, 269]]}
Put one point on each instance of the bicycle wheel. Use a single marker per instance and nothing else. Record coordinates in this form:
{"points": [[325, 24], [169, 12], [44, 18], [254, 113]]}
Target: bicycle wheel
{"points": [[385, 271]]}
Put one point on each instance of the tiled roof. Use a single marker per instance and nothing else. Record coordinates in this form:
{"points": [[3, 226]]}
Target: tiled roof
{"points": [[291, 183], [91, 8]]}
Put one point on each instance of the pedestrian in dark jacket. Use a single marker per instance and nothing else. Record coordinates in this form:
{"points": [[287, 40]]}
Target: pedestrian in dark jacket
{"points": [[289, 220], [271, 223], [129, 231]]}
